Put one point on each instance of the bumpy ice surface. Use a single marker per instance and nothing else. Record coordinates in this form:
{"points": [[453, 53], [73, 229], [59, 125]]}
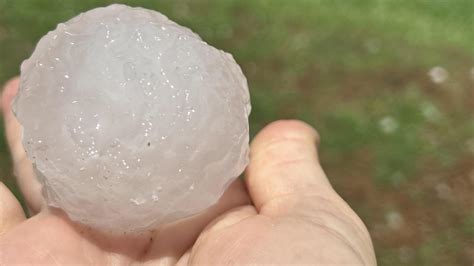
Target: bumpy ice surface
{"points": [[132, 120]]}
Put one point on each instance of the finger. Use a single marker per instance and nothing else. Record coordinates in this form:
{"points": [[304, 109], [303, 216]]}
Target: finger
{"points": [[171, 241], [50, 238], [285, 178], [23, 168], [284, 161], [216, 229], [184, 260], [11, 213]]}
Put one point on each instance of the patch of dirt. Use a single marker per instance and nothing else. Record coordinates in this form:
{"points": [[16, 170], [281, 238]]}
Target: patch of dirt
{"points": [[431, 205], [433, 202], [458, 90]]}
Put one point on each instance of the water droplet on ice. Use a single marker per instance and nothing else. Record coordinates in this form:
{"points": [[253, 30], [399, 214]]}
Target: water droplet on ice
{"points": [[129, 71], [138, 200]]}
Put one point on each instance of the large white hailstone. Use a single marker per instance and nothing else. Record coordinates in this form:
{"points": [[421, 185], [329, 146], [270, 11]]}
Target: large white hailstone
{"points": [[131, 120]]}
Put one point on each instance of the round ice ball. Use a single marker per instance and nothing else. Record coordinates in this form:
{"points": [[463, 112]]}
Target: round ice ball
{"points": [[131, 120]]}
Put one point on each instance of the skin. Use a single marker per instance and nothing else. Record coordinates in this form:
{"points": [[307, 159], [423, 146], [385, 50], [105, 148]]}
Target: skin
{"points": [[283, 212]]}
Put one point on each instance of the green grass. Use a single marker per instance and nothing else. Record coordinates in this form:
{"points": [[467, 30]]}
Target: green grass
{"points": [[468, 225], [357, 71]]}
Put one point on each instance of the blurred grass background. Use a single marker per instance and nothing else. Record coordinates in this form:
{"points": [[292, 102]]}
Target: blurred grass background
{"points": [[389, 84]]}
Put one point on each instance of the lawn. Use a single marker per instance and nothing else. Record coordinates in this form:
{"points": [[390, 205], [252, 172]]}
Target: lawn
{"points": [[388, 84]]}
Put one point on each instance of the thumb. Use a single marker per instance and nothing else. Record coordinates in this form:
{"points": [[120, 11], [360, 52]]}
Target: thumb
{"points": [[284, 161], [285, 177]]}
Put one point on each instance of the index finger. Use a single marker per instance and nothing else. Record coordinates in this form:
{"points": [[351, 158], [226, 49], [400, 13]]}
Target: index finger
{"points": [[23, 168]]}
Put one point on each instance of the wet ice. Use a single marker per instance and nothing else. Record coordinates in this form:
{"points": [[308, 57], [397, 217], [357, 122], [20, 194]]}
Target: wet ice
{"points": [[132, 120]]}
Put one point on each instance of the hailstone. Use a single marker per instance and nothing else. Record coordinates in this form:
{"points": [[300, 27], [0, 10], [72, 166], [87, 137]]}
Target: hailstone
{"points": [[132, 120]]}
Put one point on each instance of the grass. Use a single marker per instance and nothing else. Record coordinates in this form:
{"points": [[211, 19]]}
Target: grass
{"points": [[357, 71]]}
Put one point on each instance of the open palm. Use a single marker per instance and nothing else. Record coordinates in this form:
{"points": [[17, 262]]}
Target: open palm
{"points": [[284, 212]]}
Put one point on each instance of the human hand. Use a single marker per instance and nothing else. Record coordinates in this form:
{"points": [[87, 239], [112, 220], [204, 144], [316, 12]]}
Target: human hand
{"points": [[284, 212]]}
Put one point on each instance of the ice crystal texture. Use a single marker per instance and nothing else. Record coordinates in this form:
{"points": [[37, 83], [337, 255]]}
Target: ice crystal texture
{"points": [[131, 120]]}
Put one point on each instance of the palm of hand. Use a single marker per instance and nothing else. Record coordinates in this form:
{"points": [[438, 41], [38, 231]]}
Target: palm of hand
{"points": [[285, 213]]}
